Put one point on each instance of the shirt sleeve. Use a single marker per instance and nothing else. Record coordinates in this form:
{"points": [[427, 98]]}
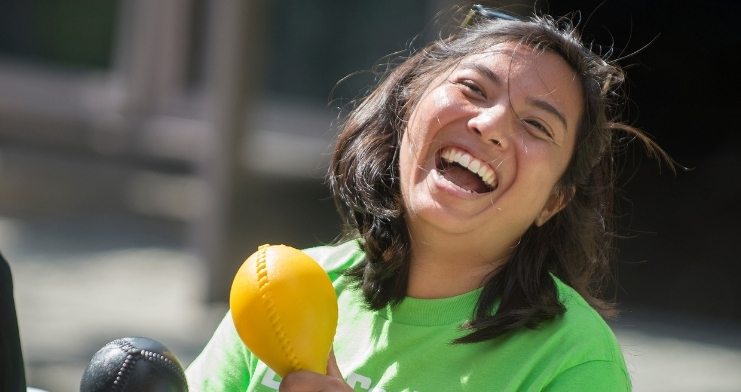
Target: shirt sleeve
{"points": [[223, 365], [591, 376]]}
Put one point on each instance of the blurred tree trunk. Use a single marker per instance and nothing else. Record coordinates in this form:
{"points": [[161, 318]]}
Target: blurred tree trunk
{"points": [[237, 36]]}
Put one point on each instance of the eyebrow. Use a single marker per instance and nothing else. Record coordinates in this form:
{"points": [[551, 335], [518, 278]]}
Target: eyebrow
{"points": [[539, 103], [483, 70]]}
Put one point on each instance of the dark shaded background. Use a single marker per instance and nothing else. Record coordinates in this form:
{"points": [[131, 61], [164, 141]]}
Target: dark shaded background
{"points": [[685, 252]]}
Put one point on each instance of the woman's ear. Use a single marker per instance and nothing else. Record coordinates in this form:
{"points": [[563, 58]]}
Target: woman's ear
{"points": [[556, 202]]}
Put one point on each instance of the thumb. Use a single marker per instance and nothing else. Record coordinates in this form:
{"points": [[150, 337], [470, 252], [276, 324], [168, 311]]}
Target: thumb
{"points": [[332, 369]]}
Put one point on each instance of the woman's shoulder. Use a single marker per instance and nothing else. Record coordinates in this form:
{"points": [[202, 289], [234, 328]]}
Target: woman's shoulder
{"points": [[577, 308], [335, 259], [585, 329], [575, 351]]}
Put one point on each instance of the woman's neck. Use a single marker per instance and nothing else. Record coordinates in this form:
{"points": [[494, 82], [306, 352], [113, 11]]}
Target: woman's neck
{"points": [[443, 266]]}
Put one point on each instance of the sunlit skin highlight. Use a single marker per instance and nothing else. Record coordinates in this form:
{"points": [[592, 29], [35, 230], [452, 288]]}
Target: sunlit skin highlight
{"points": [[513, 108]]}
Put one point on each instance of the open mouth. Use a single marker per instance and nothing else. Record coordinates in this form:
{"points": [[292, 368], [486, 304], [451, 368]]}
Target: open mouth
{"points": [[465, 171]]}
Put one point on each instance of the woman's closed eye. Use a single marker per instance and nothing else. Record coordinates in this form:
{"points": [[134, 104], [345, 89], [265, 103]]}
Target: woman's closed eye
{"points": [[472, 87], [540, 127]]}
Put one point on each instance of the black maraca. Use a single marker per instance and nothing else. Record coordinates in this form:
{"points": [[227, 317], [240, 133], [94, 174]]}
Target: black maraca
{"points": [[134, 364]]}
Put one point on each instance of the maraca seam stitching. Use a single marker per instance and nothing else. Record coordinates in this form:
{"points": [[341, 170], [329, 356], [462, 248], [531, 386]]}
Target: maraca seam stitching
{"points": [[264, 284], [133, 354], [127, 365]]}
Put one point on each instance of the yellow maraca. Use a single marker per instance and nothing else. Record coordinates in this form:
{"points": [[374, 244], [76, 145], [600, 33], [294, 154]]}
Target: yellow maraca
{"points": [[285, 309]]}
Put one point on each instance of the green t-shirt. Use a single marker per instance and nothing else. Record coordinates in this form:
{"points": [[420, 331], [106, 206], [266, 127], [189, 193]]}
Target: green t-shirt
{"points": [[408, 347]]}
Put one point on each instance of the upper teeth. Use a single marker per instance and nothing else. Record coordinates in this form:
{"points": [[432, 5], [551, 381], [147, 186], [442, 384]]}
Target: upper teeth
{"points": [[475, 165]]}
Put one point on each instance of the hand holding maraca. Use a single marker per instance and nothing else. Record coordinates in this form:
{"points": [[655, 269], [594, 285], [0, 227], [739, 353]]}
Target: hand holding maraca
{"points": [[307, 381]]}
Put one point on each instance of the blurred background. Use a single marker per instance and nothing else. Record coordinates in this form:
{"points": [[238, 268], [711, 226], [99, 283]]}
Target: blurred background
{"points": [[148, 146]]}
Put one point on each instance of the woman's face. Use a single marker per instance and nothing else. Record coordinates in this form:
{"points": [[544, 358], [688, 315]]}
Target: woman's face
{"points": [[487, 143]]}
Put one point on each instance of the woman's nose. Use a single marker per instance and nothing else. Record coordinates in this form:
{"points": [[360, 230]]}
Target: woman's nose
{"points": [[492, 125]]}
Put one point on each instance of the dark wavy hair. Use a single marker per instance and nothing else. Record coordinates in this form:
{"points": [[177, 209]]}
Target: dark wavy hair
{"points": [[575, 245]]}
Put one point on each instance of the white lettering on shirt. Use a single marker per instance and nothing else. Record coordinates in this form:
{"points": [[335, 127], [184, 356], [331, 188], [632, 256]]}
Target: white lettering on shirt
{"points": [[365, 382], [269, 379]]}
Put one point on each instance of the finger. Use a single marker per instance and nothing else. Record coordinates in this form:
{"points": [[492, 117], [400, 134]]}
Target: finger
{"points": [[308, 381], [299, 381], [333, 370]]}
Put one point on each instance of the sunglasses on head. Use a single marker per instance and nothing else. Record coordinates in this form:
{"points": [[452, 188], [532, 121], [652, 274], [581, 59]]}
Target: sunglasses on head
{"points": [[478, 9]]}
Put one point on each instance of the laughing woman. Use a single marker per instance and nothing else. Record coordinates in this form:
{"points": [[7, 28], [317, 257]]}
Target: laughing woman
{"points": [[477, 180]]}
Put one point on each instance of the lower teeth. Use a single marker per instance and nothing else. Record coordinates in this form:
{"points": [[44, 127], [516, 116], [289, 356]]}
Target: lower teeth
{"points": [[457, 186]]}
